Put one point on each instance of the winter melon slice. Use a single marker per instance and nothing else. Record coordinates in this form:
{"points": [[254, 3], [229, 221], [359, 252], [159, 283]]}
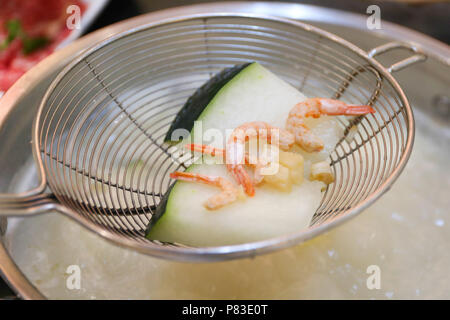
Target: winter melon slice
{"points": [[252, 94]]}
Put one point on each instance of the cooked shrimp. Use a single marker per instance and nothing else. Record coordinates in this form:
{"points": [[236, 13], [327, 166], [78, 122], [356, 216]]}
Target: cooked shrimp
{"points": [[202, 148], [229, 194], [315, 107], [236, 147], [205, 149]]}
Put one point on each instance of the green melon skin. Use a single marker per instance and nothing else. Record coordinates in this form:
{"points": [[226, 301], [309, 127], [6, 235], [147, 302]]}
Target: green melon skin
{"points": [[270, 213], [195, 105], [253, 94]]}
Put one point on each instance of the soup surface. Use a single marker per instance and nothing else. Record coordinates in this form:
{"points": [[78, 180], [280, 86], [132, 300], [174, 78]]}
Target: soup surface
{"points": [[406, 234]]}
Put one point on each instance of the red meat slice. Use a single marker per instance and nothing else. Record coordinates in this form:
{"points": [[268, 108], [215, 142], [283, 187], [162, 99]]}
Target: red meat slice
{"points": [[8, 77], [7, 55], [38, 18]]}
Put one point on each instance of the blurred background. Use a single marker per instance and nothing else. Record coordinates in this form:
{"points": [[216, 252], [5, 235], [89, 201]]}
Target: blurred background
{"points": [[431, 17]]}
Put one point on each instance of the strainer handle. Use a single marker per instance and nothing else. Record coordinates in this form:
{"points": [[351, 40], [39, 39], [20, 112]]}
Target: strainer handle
{"points": [[29, 203], [418, 56]]}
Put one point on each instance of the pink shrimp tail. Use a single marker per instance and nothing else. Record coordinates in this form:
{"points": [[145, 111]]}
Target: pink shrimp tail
{"points": [[243, 179], [182, 176], [188, 176], [358, 110], [205, 149], [238, 171]]}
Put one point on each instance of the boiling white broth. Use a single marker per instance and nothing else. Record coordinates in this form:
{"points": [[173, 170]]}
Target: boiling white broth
{"points": [[406, 233]]}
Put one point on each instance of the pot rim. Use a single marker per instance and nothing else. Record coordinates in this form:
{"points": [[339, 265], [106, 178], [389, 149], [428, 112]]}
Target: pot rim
{"points": [[434, 48]]}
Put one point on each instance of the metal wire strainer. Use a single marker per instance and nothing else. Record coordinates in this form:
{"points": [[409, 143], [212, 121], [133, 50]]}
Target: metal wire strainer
{"points": [[98, 134]]}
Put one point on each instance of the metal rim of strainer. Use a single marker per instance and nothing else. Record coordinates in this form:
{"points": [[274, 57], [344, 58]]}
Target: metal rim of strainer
{"points": [[240, 250]]}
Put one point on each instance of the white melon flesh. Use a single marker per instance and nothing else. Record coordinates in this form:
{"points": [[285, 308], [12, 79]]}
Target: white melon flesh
{"points": [[270, 213], [255, 94]]}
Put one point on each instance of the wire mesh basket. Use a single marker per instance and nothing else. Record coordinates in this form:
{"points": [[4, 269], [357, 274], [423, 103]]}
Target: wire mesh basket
{"points": [[98, 135]]}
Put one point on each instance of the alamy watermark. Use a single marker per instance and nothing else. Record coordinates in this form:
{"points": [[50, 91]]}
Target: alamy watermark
{"points": [[249, 146], [74, 18], [374, 20], [73, 281], [374, 279]]}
